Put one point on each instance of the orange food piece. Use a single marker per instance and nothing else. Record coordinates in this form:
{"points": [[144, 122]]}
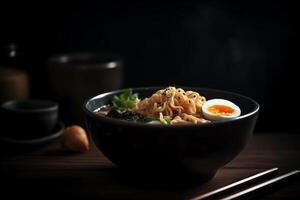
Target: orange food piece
{"points": [[221, 110]]}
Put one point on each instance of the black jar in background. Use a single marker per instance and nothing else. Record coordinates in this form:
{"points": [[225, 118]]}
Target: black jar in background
{"points": [[14, 78], [73, 78]]}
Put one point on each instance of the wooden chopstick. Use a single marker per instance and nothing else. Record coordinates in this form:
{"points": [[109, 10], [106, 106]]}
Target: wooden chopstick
{"points": [[258, 189], [236, 185]]}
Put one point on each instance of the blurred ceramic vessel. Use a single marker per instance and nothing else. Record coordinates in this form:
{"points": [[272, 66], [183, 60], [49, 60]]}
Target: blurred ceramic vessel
{"points": [[14, 84], [78, 76]]}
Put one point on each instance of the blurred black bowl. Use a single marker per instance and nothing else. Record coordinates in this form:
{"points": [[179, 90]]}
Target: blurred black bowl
{"points": [[9, 146], [28, 119], [161, 151]]}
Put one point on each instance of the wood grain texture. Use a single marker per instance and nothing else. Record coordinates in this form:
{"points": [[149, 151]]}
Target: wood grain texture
{"points": [[52, 173]]}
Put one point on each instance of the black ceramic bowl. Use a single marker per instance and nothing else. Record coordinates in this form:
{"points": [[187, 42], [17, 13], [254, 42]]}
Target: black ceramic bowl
{"points": [[159, 151], [28, 119]]}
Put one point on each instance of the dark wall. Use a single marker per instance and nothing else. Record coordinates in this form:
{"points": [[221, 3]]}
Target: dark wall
{"points": [[241, 47]]}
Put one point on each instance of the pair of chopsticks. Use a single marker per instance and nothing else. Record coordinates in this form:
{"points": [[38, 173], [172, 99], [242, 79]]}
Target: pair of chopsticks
{"points": [[252, 191]]}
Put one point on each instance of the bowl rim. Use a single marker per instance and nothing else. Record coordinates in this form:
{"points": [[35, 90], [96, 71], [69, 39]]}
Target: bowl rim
{"points": [[136, 124], [113, 60], [51, 106]]}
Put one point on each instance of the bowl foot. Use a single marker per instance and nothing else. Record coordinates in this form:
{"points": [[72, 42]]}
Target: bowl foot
{"points": [[166, 180]]}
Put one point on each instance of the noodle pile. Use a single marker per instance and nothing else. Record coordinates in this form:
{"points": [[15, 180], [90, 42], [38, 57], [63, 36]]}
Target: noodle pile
{"points": [[183, 107]]}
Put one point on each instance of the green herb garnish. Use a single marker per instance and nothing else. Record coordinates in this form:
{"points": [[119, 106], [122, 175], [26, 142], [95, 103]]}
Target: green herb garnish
{"points": [[126, 100], [168, 119]]}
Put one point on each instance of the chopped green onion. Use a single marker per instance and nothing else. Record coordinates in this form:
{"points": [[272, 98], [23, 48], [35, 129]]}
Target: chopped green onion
{"points": [[168, 119], [125, 100]]}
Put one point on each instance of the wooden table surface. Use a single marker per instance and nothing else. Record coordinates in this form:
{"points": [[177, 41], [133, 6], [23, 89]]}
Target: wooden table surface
{"points": [[54, 173]]}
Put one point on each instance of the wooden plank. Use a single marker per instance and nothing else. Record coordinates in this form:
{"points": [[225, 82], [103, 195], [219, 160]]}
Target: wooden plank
{"points": [[52, 171]]}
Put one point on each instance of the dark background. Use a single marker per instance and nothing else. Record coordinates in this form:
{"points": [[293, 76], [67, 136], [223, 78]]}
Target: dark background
{"points": [[236, 46]]}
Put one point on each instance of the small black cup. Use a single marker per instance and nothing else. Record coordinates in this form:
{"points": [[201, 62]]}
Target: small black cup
{"points": [[28, 119]]}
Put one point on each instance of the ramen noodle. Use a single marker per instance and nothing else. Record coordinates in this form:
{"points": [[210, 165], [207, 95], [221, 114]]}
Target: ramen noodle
{"points": [[166, 106], [181, 106]]}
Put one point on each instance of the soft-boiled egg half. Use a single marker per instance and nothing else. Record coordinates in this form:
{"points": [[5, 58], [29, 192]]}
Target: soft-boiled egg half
{"points": [[220, 109]]}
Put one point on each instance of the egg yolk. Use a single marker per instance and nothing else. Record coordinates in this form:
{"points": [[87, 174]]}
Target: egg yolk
{"points": [[221, 110]]}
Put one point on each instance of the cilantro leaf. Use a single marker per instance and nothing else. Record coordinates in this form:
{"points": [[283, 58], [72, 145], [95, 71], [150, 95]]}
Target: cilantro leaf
{"points": [[168, 119], [125, 100]]}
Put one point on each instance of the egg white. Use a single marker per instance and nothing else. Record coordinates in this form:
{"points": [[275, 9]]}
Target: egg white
{"points": [[213, 117]]}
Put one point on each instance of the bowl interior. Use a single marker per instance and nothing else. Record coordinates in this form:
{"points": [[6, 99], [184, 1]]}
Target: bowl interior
{"points": [[247, 105]]}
